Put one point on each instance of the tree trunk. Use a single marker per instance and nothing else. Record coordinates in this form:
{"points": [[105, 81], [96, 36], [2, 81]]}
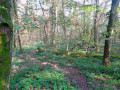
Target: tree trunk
{"points": [[14, 39], [53, 26], [45, 36], [64, 27], [106, 58], [5, 43], [96, 25], [19, 41], [84, 20], [18, 32]]}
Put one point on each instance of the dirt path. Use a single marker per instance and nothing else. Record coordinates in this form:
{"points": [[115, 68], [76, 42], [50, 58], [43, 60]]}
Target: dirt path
{"points": [[70, 72], [74, 75]]}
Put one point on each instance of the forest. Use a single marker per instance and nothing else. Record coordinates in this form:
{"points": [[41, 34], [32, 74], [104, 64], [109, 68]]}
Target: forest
{"points": [[59, 45]]}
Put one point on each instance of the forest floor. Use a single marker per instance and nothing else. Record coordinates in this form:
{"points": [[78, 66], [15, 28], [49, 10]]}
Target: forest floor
{"points": [[73, 74], [33, 70]]}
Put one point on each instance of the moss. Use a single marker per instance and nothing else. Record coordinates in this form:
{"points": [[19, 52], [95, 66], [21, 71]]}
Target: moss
{"points": [[4, 60], [101, 55], [4, 8], [96, 55], [81, 54], [116, 56], [4, 44]]}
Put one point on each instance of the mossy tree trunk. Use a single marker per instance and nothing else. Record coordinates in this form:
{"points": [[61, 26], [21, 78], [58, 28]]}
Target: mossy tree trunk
{"points": [[106, 58], [5, 43]]}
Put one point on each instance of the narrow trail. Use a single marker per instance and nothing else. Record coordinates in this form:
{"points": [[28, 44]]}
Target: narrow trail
{"points": [[70, 72]]}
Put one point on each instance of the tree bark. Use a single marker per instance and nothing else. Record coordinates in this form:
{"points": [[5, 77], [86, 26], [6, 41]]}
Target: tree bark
{"points": [[64, 27], [52, 10], [45, 36], [96, 25], [5, 43], [84, 20], [18, 32], [106, 58]]}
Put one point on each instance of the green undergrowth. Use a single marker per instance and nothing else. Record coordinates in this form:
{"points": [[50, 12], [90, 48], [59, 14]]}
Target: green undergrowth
{"points": [[62, 60], [80, 53], [98, 75], [104, 77], [31, 75], [40, 77]]}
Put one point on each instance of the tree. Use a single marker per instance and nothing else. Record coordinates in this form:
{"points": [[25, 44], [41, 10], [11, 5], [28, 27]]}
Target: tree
{"points": [[52, 10], [64, 27], [96, 24], [17, 21], [5, 42], [84, 30], [45, 36], [112, 17]]}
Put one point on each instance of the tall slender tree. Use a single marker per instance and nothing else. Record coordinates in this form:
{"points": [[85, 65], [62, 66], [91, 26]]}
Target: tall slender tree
{"points": [[53, 24], [112, 19], [17, 21], [96, 24], [84, 27], [45, 36], [64, 26]]}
